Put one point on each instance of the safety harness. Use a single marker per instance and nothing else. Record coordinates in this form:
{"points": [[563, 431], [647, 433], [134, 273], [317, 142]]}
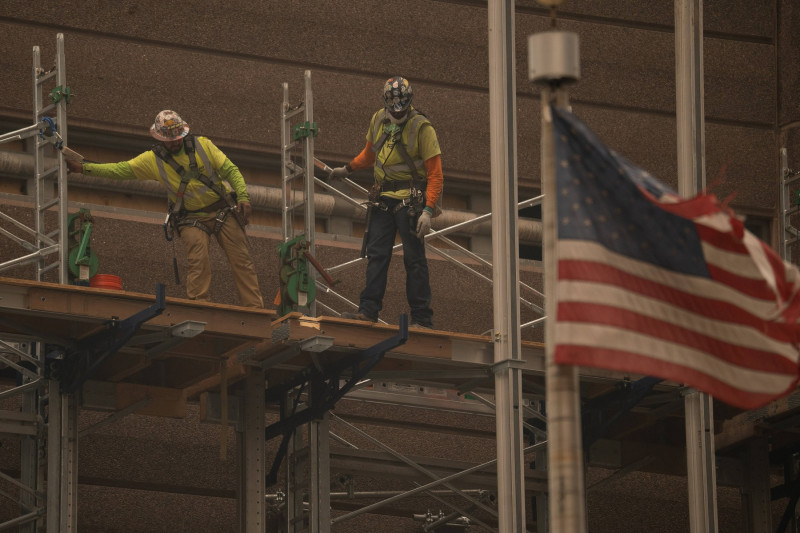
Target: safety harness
{"points": [[417, 183], [177, 216]]}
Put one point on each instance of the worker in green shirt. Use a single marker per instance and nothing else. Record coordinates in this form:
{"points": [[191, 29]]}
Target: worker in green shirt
{"points": [[207, 196]]}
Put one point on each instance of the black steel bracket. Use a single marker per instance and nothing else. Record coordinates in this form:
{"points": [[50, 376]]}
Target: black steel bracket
{"points": [[325, 387], [73, 365]]}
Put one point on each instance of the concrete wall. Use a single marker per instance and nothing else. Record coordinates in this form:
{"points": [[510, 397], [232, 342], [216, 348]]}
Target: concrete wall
{"points": [[222, 65]]}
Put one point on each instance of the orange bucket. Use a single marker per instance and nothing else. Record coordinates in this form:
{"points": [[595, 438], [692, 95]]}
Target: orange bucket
{"points": [[106, 281]]}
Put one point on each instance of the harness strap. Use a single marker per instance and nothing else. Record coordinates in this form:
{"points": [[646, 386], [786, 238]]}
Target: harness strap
{"points": [[162, 152], [192, 222]]}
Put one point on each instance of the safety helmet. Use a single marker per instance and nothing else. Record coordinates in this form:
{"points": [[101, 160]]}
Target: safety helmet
{"points": [[397, 94], [169, 126]]}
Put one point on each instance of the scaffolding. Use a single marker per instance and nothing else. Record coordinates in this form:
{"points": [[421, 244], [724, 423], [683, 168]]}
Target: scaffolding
{"points": [[317, 452], [47, 419]]}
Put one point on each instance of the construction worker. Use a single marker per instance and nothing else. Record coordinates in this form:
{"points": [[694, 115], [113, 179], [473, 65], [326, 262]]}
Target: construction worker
{"points": [[207, 196], [404, 153]]}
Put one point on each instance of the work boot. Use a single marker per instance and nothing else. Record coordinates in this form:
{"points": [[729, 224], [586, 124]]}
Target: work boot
{"points": [[358, 316], [420, 325]]}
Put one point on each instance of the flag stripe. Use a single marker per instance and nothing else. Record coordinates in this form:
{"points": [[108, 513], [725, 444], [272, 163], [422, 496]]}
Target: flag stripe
{"points": [[754, 358], [590, 261], [592, 337], [592, 293]]}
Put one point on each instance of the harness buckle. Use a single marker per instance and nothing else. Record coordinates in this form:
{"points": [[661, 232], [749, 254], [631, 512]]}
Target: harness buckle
{"points": [[169, 229]]}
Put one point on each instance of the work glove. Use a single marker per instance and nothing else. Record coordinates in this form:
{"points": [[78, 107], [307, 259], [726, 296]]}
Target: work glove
{"points": [[423, 224], [74, 166], [338, 174], [244, 210]]}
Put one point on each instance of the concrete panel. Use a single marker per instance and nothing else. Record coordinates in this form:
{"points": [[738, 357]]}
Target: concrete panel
{"points": [[737, 18], [788, 59]]}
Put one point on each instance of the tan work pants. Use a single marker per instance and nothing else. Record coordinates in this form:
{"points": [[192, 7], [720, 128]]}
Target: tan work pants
{"points": [[233, 241]]}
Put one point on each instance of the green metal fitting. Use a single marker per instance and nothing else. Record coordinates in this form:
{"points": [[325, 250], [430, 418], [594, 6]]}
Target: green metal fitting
{"points": [[60, 92], [304, 129]]}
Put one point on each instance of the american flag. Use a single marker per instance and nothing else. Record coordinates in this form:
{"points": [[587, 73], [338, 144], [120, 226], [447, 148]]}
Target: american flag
{"points": [[654, 284]]}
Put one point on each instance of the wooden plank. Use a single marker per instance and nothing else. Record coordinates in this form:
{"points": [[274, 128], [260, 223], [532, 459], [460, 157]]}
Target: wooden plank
{"points": [[97, 305], [446, 347], [751, 423]]}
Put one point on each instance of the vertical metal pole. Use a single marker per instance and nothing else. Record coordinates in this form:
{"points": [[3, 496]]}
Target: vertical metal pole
{"points": [[700, 462], [785, 200], [252, 457], [286, 187], [566, 493], [54, 458], [63, 204], [699, 407], [296, 480], [308, 155], [689, 95], [756, 500], [505, 250], [38, 161], [319, 497], [29, 460], [68, 448]]}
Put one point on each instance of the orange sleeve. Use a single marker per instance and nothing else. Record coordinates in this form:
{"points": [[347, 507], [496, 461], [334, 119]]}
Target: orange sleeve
{"points": [[366, 159], [435, 180]]}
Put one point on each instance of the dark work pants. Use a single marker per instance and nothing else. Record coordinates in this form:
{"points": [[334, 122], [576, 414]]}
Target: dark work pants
{"points": [[382, 230]]}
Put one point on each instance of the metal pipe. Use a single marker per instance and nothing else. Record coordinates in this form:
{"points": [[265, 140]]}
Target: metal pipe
{"points": [[20, 166], [277, 497]]}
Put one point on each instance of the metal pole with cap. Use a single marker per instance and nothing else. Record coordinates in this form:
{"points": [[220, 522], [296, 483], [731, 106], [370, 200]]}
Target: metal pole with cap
{"points": [[505, 245], [553, 63]]}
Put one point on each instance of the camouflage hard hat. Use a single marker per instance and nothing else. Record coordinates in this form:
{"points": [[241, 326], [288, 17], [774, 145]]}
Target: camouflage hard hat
{"points": [[397, 94], [169, 126]]}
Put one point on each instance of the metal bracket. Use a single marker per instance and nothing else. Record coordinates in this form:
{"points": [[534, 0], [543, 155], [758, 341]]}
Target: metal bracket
{"points": [[73, 366], [304, 129], [326, 385], [507, 364]]}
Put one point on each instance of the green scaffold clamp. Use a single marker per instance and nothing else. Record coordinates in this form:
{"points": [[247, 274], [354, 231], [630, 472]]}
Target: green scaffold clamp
{"points": [[304, 129], [60, 92], [298, 289], [83, 262]]}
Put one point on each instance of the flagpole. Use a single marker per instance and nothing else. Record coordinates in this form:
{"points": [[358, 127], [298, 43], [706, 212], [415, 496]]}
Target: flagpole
{"points": [[553, 61]]}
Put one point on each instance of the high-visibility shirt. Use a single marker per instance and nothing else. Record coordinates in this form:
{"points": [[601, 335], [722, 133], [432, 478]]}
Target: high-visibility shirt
{"points": [[148, 166], [419, 138]]}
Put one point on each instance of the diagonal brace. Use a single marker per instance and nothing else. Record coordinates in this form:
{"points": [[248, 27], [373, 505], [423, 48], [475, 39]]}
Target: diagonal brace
{"points": [[325, 390], [75, 366]]}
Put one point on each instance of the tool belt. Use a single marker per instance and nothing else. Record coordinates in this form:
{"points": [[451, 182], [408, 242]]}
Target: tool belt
{"points": [[415, 200], [193, 222], [224, 207]]}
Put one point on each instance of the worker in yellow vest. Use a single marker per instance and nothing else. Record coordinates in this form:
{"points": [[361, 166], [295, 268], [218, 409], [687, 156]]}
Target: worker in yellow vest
{"points": [[207, 196], [403, 150]]}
